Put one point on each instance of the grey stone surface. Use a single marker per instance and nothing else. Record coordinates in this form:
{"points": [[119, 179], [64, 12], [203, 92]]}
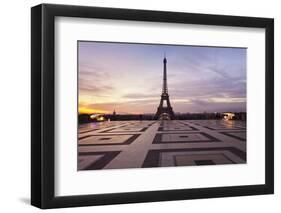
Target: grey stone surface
{"points": [[136, 144]]}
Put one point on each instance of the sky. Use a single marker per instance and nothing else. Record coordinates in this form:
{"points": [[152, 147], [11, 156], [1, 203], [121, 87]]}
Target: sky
{"points": [[128, 77]]}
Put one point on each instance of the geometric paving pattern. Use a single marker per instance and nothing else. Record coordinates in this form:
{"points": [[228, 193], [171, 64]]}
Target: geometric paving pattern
{"points": [[184, 137], [240, 135], [95, 160], [102, 139], [145, 144], [194, 156]]}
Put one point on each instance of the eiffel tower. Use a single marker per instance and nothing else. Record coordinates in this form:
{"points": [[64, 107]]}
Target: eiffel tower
{"points": [[165, 112]]}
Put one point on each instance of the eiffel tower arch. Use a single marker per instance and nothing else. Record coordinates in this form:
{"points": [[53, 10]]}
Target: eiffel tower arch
{"points": [[164, 112]]}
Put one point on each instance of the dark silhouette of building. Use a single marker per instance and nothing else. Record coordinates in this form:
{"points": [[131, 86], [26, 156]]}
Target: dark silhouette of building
{"points": [[84, 118], [165, 112]]}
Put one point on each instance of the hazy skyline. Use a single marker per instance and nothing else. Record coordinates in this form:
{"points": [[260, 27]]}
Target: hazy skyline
{"points": [[128, 78]]}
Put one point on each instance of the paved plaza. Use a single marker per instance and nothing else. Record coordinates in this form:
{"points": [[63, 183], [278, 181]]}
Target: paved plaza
{"points": [[145, 144]]}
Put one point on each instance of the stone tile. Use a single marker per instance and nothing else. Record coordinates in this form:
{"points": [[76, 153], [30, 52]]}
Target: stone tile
{"points": [[200, 159], [105, 139], [184, 137], [240, 135]]}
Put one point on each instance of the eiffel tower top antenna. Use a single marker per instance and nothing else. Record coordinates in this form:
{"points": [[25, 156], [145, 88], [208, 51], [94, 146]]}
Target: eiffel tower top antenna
{"points": [[165, 87]]}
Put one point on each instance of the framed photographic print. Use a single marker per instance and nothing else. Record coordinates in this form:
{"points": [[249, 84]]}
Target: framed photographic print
{"points": [[139, 106]]}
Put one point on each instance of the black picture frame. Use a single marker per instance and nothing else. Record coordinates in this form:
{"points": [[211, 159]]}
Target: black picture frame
{"points": [[43, 117]]}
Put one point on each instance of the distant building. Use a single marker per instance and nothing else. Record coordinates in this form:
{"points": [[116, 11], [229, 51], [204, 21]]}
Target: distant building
{"points": [[228, 115], [84, 118], [235, 116], [97, 117]]}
